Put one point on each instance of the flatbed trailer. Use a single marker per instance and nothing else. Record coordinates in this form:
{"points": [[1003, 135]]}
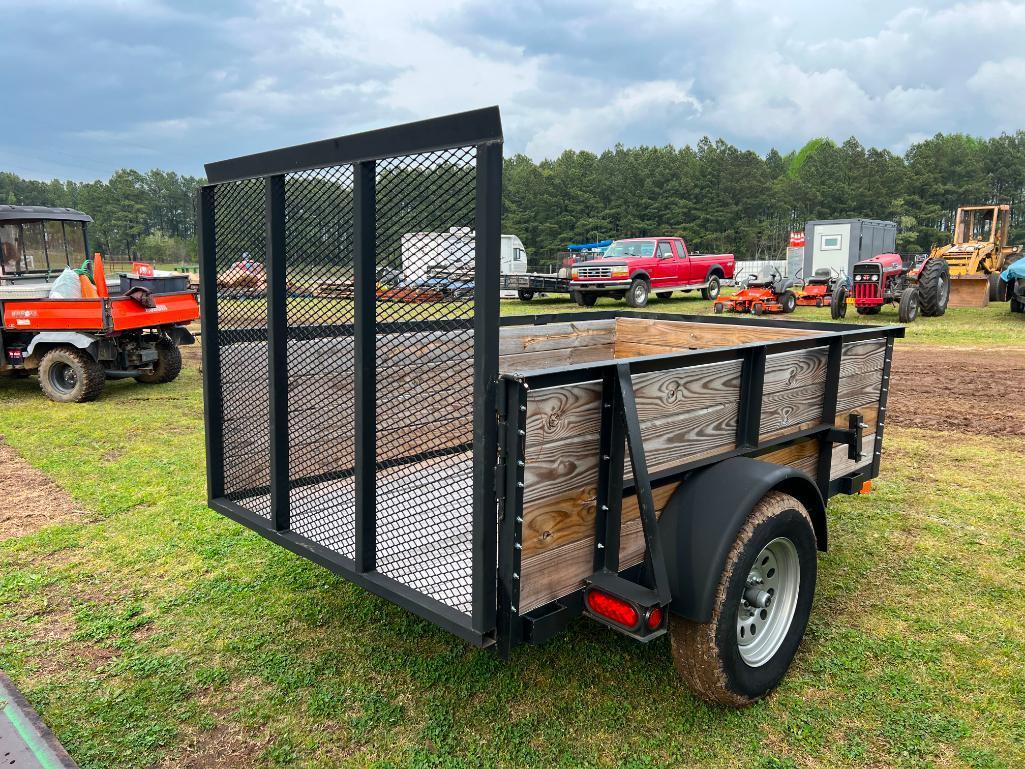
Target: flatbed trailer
{"points": [[528, 285], [660, 474]]}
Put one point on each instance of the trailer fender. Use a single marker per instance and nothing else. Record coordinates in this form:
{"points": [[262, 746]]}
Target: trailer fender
{"points": [[48, 339], [701, 520]]}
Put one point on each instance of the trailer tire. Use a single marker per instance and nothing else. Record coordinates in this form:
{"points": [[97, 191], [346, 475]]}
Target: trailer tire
{"points": [[717, 664], [168, 365], [70, 375], [934, 288], [908, 310], [637, 295], [524, 295]]}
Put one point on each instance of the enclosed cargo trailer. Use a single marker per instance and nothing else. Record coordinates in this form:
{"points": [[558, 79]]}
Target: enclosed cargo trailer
{"points": [[501, 478]]}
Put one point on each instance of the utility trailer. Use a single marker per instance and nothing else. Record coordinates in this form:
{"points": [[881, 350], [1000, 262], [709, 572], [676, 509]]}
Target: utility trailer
{"points": [[660, 474], [528, 285]]}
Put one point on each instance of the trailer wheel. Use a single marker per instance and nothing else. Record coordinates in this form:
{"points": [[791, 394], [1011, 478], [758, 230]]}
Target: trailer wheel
{"points": [[711, 291], [525, 295], [934, 287], [637, 295], [838, 303], [763, 602], [70, 375], [664, 294], [168, 365], [788, 301], [908, 310]]}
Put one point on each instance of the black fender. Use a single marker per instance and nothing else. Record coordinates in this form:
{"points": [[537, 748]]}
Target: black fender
{"points": [[701, 520], [641, 274], [181, 335]]}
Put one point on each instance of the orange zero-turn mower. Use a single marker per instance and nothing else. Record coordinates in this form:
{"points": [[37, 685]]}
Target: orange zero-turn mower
{"points": [[818, 289], [128, 328], [768, 291]]}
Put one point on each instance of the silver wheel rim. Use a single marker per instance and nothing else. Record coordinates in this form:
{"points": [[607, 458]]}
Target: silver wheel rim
{"points": [[640, 292], [775, 580], [941, 295]]}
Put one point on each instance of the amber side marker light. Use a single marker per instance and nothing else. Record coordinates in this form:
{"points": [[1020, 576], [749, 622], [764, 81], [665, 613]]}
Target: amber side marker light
{"points": [[613, 609], [866, 488]]}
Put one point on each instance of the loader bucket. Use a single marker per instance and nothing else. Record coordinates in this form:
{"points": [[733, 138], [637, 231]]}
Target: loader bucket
{"points": [[969, 290]]}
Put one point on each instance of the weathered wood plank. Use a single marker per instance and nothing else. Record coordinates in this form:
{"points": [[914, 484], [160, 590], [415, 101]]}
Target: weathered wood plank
{"points": [[697, 336], [528, 361], [555, 336]]}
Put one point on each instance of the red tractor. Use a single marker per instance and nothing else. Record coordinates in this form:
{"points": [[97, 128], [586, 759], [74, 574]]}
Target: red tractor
{"points": [[767, 291], [923, 287]]}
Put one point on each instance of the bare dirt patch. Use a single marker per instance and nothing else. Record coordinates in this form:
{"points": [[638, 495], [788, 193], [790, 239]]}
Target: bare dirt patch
{"points": [[954, 389], [30, 500]]}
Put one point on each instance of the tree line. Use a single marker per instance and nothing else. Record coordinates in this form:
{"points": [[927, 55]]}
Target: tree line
{"points": [[718, 196]]}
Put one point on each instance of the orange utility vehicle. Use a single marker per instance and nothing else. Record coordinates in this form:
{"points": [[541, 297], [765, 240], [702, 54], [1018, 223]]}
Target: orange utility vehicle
{"points": [[132, 328], [817, 289]]}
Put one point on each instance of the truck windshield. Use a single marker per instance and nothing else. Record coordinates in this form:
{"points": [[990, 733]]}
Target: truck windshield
{"points": [[630, 248]]}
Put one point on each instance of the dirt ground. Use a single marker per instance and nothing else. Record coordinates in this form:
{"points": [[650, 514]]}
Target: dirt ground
{"points": [[30, 499], [980, 392]]}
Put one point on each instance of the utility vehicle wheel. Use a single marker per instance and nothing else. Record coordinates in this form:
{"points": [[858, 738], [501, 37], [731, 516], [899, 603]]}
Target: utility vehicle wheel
{"points": [[762, 608], [868, 310], [168, 365], [757, 308], [525, 295], [664, 294], [711, 291], [838, 303], [717, 309], [908, 310], [818, 302], [934, 287], [637, 296], [70, 375], [788, 301]]}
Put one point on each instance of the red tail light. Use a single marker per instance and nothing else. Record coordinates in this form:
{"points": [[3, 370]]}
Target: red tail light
{"points": [[615, 609], [655, 618]]}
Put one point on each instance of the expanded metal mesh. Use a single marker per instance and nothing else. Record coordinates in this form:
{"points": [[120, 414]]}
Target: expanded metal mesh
{"points": [[240, 249], [426, 232], [426, 250]]}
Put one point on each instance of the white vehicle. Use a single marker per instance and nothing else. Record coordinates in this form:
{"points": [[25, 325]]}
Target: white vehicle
{"points": [[427, 255]]}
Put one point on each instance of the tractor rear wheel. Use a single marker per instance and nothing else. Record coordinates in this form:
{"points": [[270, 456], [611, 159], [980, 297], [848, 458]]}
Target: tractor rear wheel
{"points": [[788, 301], [908, 309], [838, 303], [70, 375], [763, 603], [168, 365], [934, 287]]}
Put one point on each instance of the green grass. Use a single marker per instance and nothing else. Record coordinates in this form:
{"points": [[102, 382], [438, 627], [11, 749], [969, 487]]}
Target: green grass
{"points": [[159, 626]]}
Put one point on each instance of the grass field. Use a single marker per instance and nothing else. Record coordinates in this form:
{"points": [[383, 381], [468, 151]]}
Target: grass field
{"points": [[152, 632]]}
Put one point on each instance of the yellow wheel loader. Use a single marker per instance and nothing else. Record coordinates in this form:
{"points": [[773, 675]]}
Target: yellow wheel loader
{"points": [[978, 254]]}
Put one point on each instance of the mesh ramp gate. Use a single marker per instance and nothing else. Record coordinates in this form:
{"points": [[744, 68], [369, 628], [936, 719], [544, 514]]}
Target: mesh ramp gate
{"points": [[350, 322]]}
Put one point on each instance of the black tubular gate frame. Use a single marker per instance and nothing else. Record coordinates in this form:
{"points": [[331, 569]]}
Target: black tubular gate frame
{"points": [[481, 129], [540, 624]]}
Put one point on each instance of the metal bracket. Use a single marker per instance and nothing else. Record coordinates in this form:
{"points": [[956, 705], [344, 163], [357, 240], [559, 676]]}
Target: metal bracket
{"points": [[852, 436]]}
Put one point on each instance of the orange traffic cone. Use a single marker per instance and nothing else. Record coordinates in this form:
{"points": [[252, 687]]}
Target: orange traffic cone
{"points": [[99, 277]]}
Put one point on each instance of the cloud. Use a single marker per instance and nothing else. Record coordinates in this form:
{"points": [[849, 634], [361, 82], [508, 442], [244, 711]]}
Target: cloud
{"points": [[103, 84]]}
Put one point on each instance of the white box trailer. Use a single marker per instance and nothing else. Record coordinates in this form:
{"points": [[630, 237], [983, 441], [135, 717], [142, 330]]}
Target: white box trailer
{"points": [[841, 243], [429, 255]]}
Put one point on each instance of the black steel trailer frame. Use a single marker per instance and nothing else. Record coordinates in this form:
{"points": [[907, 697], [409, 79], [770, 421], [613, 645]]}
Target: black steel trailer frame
{"points": [[498, 402]]}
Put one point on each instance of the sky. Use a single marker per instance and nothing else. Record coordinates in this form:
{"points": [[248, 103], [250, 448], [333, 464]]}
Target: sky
{"points": [[96, 85]]}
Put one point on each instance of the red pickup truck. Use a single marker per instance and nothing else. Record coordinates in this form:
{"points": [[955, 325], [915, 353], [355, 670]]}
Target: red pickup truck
{"points": [[634, 267]]}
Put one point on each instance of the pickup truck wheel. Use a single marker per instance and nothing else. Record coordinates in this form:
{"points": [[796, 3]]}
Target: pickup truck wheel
{"points": [[711, 291], [637, 295], [70, 375], [761, 610], [664, 294], [168, 365], [525, 295]]}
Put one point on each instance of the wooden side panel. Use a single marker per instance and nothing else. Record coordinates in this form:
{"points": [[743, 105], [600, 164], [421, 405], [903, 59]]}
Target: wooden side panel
{"points": [[684, 335], [525, 348]]}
